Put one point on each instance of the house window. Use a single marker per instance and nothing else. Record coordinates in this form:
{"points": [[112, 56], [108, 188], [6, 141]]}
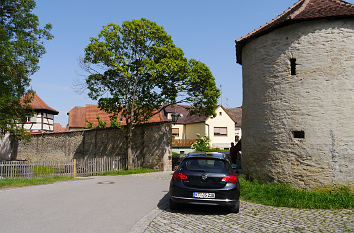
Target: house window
{"points": [[220, 131], [220, 113], [175, 132], [32, 119], [293, 66]]}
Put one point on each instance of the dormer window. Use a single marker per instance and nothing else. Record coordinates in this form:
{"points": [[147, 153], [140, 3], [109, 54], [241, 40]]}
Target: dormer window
{"points": [[220, 113]]}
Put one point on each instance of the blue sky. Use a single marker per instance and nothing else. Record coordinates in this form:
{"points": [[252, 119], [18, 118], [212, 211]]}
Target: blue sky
{"points": [[204, 29]]}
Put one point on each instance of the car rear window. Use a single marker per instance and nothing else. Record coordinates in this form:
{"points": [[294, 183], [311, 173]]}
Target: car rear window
{"points": [[207, 165]]}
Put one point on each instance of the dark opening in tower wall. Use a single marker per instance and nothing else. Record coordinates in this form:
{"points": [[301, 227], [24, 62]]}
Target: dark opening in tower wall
{"points": [[298, 134], [293, 66]]}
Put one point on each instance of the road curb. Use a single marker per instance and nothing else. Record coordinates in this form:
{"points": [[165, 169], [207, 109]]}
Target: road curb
{"points": [[142, 224]]}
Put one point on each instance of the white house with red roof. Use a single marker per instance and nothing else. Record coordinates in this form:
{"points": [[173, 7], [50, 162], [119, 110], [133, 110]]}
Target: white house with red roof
{"points": [[43, 118], [220, 129]]}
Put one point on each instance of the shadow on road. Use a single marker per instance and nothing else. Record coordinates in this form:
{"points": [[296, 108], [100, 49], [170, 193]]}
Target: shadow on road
{"points": [[191, 209]]}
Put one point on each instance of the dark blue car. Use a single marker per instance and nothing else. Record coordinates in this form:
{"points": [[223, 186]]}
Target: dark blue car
{"points": [[205, 179]]}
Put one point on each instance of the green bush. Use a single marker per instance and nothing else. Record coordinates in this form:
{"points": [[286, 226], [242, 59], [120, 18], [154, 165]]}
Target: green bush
{"points": [[202, 144]]}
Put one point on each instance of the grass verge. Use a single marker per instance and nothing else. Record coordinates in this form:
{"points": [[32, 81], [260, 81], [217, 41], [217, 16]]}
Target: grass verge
{"points": [[286, 196], [127, 172], [20, 182]]}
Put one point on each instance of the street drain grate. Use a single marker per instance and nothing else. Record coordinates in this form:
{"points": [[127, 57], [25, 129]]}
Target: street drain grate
{"points": [[105, 182]]}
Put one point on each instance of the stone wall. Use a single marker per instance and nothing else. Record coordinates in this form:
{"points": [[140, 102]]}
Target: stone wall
{"points": [[151, 145], [7, 147], [318, 100]]}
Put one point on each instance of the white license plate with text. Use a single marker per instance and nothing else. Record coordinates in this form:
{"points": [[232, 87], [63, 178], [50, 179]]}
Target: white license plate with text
{"points": [[203, 195]]}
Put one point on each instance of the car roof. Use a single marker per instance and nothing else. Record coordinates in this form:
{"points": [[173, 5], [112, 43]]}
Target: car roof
{"points": [[211, 155]]}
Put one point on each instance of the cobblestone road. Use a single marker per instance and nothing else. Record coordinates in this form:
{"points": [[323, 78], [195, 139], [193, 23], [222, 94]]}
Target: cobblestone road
{"points": [[252, 218]]}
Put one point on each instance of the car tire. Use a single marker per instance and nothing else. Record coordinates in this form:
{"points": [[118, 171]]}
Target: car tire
{"points": [[235, 208], [173, 205]]}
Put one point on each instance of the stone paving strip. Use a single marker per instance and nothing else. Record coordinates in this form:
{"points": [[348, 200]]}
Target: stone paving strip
{"points": [[252, 218]]}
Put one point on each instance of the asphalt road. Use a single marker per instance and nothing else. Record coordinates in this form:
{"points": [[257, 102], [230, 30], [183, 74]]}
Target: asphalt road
{"points": [[84, 205]]}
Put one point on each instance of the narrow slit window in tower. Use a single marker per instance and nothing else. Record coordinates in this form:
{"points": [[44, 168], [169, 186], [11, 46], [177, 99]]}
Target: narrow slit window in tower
{"points": [[299, 134], [293, 66]]}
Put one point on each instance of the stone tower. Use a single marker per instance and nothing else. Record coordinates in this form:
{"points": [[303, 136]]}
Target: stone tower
{"points": [[298, 96]]}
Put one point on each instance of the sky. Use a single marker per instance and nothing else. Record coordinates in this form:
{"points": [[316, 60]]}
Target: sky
{"points": [[205, 30]]}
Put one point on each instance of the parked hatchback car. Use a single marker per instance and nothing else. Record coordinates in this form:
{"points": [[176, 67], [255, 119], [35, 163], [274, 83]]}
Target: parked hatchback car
{"points": [[205, 179]]}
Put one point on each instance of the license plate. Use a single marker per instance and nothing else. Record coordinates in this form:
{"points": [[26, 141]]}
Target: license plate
{"points": [[204, 195]]}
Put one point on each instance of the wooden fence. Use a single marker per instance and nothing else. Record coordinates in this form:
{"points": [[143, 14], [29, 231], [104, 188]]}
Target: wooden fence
{"points": [[183, 142], [80, 167]]}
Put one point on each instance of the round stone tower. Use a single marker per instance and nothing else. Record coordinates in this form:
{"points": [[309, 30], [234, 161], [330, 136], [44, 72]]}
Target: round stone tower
{"points": [[298, 96]]}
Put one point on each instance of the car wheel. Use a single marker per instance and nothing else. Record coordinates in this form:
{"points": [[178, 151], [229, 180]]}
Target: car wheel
{"points": [[236, 208], [173, 205]]}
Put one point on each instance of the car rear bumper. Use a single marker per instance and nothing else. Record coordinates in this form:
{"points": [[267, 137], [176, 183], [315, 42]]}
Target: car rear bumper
{"points": [[227, 196], [199, 201]]}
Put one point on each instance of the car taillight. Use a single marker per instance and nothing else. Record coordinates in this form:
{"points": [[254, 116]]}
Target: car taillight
{"points": [[230, 179], [179, 176]]}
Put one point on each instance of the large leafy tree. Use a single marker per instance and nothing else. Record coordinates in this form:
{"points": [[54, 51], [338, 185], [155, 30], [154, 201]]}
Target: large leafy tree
{"points": [[135, 68], [21, 46]]}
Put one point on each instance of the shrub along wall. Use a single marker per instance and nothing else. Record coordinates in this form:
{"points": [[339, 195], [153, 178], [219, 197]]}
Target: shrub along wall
{"points": [[151, 145]]}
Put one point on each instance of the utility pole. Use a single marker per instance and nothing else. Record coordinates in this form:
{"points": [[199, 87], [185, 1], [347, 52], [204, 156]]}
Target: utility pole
{"points": [[220, 94]]}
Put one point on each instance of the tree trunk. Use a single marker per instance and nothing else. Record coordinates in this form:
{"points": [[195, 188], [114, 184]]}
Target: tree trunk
{"points": [[129, 147]]}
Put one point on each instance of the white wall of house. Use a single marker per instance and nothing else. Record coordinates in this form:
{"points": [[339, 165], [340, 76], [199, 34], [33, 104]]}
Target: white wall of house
{"points": [[238, 132], [221, 129], [193, 129], [41, 121], [181, 131]]}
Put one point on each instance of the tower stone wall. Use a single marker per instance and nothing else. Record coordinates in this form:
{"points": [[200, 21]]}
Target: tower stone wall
{"points": [[318, 102]]}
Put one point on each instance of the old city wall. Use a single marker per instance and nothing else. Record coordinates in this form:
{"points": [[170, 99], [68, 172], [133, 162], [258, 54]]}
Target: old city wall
{"points": [[318, 100], [151, 145]]}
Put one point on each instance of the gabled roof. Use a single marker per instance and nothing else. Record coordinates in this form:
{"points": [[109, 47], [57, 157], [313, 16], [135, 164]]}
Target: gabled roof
{"points": [[236, 113], [37, 103], [188, 118], [301, 11], [185, 116], [78, 116], [59, 128]]}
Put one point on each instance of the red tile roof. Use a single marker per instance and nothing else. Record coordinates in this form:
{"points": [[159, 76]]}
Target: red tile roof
{"points": [[300, 11], [78, 116], [38, 104], [59, 128]]}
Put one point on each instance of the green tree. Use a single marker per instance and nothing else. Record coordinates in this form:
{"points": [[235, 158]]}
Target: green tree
{"points": [[21, 46], [135, 68]]}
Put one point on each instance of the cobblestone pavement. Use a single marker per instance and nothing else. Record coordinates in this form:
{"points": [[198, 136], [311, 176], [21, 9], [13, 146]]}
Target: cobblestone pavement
{"points": [[252, 218]]}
